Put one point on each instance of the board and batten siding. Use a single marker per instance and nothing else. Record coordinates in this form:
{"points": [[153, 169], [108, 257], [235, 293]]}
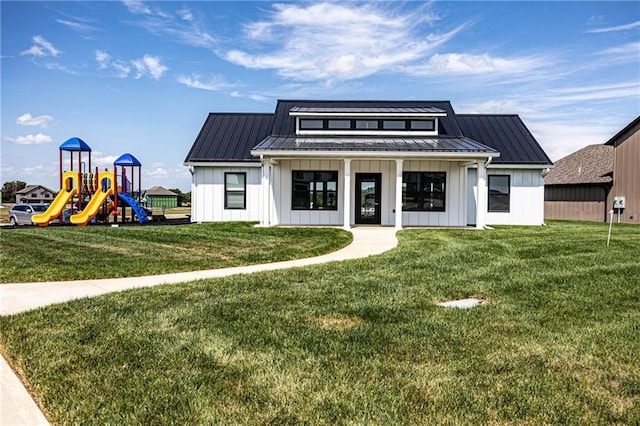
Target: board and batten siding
{"points": [[526, 197], [283, 214], [626, 177], [207, 195]]}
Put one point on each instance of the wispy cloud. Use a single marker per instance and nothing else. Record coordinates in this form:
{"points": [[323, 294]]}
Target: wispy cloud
{"points": [[77, 26], [147, 65], [337, 41], [180, 26], [624, 27], [27, 119], [214, 83], [36, 139], [629, 52], [41, 48], [471, 64]]}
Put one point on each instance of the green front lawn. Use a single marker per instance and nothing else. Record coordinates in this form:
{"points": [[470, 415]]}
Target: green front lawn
{"points": [[360, 342], [70, 253]]}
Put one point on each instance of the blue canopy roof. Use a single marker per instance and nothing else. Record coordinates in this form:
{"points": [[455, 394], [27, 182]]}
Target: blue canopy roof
{"points": [[127, 160], [75, 144]]}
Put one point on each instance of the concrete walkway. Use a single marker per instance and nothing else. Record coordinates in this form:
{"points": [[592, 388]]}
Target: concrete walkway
{"points": [[18, 408]]}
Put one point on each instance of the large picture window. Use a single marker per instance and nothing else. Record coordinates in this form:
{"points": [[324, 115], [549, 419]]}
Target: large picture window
{"points": [[499, 193], [315, 190], [424, 191], [235, 191]]}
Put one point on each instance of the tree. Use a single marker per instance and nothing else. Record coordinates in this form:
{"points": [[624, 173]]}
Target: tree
{"points": [[180, 195], [9, 190]]}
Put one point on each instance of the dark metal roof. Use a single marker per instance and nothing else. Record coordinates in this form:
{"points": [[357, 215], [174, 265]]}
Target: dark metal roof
{"points": [[591, 164], [390, 144], [369, 110], [507, 134], [284, 123], [230, 137]]}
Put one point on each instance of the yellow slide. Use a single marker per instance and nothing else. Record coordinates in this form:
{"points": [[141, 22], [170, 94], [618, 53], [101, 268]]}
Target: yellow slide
{"points": [[70, 188], [106, 187]]}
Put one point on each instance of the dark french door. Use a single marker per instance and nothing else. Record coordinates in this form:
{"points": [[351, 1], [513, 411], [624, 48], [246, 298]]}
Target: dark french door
{"points": [[368, 198]]}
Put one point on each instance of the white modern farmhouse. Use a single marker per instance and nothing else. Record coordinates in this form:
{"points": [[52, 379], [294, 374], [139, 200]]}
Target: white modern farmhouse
{"points": [[345, 163]]}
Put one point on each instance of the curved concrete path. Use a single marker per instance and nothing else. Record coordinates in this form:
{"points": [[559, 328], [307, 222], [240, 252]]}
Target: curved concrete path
{"points": [[18, 408]]}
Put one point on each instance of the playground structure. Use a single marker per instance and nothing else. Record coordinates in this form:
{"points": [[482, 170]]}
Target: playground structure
{"points": [[87, 195]]}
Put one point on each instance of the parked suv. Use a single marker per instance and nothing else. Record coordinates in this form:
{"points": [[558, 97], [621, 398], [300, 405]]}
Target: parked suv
{"points": [[20, 214]]}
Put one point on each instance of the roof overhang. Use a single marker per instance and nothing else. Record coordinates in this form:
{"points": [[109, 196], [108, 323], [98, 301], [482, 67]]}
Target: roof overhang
{"points": [[245, 163], [392, 147]]}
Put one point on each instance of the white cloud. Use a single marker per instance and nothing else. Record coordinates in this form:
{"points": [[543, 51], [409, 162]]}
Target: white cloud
{"points": [[147, 65], [629, 52], [331, 41], [215, 83], [36, 139], [185, 14], [27, 119], [137, 6], [41, 48], [470, 64], [76, 26], [624, 27]]}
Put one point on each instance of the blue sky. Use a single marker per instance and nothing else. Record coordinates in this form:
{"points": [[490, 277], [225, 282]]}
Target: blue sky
{"points": [[141, 77]]}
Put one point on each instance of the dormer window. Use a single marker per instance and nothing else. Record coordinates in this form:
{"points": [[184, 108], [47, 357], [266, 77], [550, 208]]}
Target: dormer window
{"points": [[366, 121]]}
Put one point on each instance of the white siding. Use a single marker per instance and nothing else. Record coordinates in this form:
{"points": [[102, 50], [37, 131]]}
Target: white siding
{"points": [[207, 195], [527, 197], [454, 215]]}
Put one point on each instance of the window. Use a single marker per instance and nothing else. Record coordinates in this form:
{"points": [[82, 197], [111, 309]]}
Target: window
{"points": [[315, 190], [499, 193], [422, 125], [235, 190], [423, 191], [307, 124], [339, 124], [367, 124], [393, 124]]}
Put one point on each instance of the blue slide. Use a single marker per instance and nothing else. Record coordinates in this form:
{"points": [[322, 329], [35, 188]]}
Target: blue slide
{"points": [[137, 208]]}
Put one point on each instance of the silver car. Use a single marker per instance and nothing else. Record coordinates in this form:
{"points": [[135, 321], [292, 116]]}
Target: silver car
{"points": [[20, 214]]}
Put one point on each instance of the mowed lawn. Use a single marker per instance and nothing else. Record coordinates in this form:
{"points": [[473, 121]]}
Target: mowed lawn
{"points": [[72, 253], [360, 342]]}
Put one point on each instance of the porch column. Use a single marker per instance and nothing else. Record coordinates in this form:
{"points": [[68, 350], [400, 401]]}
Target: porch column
{"points": [[265, 189], [346, 204], [399, 193], [481, 195]]}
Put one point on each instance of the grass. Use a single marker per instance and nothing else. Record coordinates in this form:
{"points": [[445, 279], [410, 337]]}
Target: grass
{"points": [[69, 253], [360, 342]]}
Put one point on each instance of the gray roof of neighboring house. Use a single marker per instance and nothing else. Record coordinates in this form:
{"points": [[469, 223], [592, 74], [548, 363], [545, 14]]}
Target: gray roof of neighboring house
{"points": [[395, 144], [507, 134], [230, 137], [625, 133], [30, 188], [592, 164], [159, 190]]}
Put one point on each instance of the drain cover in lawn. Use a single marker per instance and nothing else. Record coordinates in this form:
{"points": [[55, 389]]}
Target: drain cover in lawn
{"points": [[462, 303]]}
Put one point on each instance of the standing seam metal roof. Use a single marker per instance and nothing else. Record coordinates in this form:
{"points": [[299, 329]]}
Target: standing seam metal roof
{"points": [[231, 136]]}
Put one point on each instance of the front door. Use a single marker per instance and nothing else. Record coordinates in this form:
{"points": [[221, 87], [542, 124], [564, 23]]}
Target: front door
{"points": [[368, 198]]}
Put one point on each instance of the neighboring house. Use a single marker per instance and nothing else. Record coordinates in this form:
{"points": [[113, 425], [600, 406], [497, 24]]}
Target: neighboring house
{"points": [[579, 184], [35, 194], [583, 185], [343, 163], [626, 171], [159, 197]]}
